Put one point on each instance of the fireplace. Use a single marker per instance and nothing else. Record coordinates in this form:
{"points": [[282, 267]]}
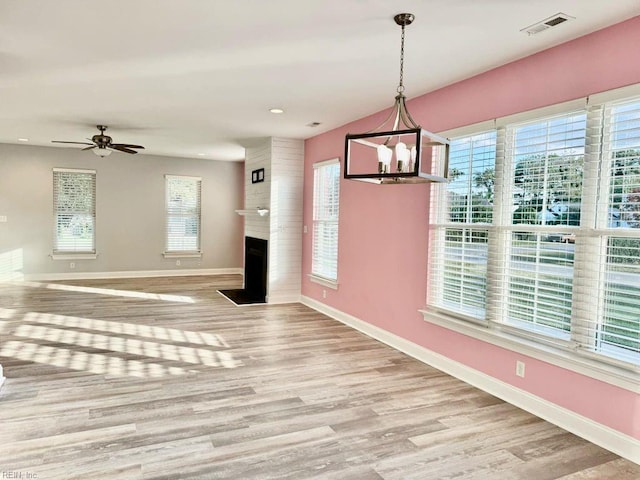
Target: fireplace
{"points": [[255, 274]]}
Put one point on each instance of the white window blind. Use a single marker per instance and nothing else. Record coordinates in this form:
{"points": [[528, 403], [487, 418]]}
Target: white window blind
{"points": [[545, 164], [326, 203], [183, 206], [556, 259], [74, 209], [459, 241], [613, 327]]}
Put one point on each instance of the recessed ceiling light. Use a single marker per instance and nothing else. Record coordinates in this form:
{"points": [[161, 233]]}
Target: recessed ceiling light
{"points": [[276, 110], [23, 139], [201, 154]]}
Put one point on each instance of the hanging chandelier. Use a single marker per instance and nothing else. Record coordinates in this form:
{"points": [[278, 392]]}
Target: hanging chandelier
{"points": [[398, 152]]}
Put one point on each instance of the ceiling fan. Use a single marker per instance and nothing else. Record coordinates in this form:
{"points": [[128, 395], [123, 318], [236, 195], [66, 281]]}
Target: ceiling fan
{"points": [[103, 144]]}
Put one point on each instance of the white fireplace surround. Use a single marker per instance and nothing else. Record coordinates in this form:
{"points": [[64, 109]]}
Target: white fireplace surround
{"points": [[273, 212]]}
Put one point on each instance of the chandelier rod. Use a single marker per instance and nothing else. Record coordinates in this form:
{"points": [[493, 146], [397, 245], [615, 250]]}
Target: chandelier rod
{"points": [[401, 85], [399, 112]]}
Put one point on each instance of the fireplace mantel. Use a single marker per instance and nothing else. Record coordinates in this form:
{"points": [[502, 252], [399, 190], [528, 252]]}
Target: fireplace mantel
{"points": [[261, 212]]}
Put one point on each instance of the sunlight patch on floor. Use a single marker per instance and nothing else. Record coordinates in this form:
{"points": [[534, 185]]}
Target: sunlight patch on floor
{"points": [[197, 356], [82, 361], [159, 333], [7, 313], [109, 291]]}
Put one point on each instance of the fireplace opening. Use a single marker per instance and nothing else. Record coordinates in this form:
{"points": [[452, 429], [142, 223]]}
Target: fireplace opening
{"points": [[255, 267], [255, 274]]}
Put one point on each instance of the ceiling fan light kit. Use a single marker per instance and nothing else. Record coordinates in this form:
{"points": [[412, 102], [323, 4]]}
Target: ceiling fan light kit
{"points": [[420, 156], [102, 151], [102, 145]]}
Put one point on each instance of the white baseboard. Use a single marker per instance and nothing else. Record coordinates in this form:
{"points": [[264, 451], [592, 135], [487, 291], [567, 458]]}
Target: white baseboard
{"points": [[44, 277], [278, 299], [606, 437]]}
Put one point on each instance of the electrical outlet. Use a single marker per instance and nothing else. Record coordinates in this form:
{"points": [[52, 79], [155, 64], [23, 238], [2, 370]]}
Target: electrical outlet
{"points": [[72, 265], [324, 294], [520, 368], [177, 263], [3, 219], [305, 229]]}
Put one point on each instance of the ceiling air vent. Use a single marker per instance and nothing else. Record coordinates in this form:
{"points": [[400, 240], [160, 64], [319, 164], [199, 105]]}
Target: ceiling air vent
{"points": [[547, 23]]}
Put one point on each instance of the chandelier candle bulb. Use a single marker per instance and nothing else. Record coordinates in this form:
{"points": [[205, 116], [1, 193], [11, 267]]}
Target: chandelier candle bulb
{"points": [[384, 159], [413, 158], [402, 156]]}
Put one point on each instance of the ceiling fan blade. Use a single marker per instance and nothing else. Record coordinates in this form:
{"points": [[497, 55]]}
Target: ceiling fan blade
{"points": [[120, 148], [75, 143], [89, 148], [126, 145]]}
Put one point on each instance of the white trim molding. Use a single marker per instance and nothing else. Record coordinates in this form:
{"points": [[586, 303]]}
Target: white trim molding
{"points": [[74, 170], [324, 163], [601, 435], [2, 378], [563, 358], [74, 256], [282, 298], [43, 277], [182, 254], [323, 281]]}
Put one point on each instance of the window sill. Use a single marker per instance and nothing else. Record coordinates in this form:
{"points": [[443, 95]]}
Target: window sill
{"points": [[553, 354], [74, 256], [323, 281], [182, 254]]}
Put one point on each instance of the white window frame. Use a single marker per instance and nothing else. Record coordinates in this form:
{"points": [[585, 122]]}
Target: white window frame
{"points": [[573, 354], [58, 250], [194, 214], [441, 223], [320, 275], [506, 241]]}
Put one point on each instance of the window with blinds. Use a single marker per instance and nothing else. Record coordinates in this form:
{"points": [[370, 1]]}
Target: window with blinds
{"points": [[546, 162], [326, 204], [459, 241], [74, 210], [616, 330], [538, 232], [183, 205]]}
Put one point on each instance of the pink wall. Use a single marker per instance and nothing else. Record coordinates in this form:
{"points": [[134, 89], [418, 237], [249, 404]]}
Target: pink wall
{"points": [[383, 229]]}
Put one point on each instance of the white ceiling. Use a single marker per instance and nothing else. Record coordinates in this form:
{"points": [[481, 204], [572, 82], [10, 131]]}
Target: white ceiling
{"points": [[190, 77]]}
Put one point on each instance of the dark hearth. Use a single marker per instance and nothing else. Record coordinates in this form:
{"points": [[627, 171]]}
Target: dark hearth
{"points": [[239, 296]]}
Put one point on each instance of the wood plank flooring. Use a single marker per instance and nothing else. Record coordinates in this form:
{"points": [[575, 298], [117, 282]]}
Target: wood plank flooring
{"points": [[162, 378]]}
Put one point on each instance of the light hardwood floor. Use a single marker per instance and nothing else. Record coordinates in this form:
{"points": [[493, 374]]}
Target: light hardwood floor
{"points": [[163, 378]]}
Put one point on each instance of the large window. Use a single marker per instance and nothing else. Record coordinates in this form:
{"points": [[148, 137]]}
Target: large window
{"points": [[460, 244], [183, 214], [537, 234], [545, 176], [74, 210], [326, 201], [612, 325]]}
